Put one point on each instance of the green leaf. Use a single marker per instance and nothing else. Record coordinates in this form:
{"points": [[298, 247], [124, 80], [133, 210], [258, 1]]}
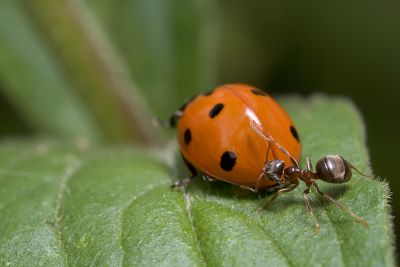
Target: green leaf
{"points": [[67, 51], [170, 46], [76, 205], [90, 63], [29, 77]]}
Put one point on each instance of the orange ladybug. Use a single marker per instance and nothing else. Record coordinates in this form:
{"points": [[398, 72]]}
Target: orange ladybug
{"points": [[232, 132]]}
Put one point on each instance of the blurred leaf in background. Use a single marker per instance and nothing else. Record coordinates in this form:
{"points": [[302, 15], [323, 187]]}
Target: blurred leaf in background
{"points": [[169, 46], [32, 81], [167, 49]]}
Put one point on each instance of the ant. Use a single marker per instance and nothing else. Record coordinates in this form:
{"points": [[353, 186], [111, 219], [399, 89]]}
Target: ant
{"points": [[331, 169]]}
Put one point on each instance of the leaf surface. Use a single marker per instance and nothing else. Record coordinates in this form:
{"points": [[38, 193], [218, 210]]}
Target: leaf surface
{"points": [[69, 205]]}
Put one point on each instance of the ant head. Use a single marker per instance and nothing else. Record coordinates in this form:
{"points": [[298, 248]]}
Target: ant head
{"points": [[274, 169], [334, 169]]}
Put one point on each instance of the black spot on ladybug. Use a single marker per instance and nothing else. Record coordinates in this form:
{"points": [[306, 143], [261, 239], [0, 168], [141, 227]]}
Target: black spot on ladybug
{"points": [[294, 133], [228, 160], [188, 136], [258, 92], [216, 110]]}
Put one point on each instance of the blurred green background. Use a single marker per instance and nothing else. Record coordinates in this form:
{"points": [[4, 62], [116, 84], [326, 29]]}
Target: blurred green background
{"points": [[94, 69]]}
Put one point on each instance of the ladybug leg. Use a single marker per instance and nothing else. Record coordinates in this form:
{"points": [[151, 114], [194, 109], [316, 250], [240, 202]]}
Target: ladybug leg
{"points": [[183, 183], [208, 178], [287, 189], [340, 205], [310, 211]]}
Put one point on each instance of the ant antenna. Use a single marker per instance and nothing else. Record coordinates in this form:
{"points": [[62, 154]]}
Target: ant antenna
{"points": [[257, 129]]}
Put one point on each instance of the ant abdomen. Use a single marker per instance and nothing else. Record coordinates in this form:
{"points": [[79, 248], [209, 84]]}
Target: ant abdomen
{"points": [[333, 169]]}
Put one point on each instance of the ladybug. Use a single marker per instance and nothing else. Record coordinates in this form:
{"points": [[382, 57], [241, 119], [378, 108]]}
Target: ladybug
{"points": [[216, 137], [240, 135]]}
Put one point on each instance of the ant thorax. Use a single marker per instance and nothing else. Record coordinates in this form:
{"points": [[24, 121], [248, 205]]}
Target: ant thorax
{"points": [[293, 174]]}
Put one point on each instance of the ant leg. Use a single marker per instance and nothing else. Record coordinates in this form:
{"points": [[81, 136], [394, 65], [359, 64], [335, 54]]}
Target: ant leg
{"points": [[305, 193], [309, 165], [366, 177], [341, 206], [258, 181], [269, 138], [183, 183], [277, 194], [275, 188], [249, 188], [263, 170]]}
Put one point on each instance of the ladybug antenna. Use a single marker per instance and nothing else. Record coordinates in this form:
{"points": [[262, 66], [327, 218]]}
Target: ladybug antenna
{"points": [[256, 127], [157, 122]]}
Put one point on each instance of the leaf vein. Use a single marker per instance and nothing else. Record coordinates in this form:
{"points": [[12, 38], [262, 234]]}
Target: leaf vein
{"points": [[122, 212], [188, 205], [268, 235], [70, 171], [336, 235]]}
